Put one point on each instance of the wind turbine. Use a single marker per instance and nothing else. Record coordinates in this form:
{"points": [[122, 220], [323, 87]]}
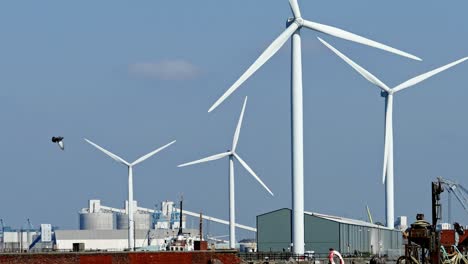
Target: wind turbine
{"points": [[131, 227], [294, 26], [388, 93], [232, 154]]}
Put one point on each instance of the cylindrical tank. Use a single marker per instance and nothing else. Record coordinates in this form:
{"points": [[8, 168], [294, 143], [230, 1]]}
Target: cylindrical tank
{"points": [[96, 221], [142, 221]]}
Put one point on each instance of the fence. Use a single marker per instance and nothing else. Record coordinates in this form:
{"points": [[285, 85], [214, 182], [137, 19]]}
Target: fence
{"points": [[273, 256]]}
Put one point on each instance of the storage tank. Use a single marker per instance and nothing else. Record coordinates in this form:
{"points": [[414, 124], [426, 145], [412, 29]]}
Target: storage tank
{"points": [[94, 218], [142, 221], [96, 221]]}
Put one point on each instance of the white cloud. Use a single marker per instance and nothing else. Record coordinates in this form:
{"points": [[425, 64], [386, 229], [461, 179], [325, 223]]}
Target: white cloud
{"points": [[166, 70]]}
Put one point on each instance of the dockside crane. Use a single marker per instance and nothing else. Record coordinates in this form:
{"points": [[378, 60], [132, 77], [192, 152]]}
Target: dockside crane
{"points": [[30, 226], [456, 189]]}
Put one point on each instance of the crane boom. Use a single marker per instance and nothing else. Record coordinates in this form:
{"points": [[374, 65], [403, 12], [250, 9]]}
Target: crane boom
{"points": [[457, 190], [369, 215]]}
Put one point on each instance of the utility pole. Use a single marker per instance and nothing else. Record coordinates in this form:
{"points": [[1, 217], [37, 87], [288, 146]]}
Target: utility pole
{"points": [[180, 216], [200, 227], [2, 231]]}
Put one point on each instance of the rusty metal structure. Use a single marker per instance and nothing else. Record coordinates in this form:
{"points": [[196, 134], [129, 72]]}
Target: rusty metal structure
{"points": [[423, 244], [424, 240]]}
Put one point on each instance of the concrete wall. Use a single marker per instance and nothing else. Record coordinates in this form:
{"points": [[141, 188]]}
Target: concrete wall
{"points": [[105, 244], [111, 239]]}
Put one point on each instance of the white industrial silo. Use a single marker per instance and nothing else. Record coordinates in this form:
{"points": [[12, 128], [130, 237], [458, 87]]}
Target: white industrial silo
{"points": [[94, 218], [143, 221]]}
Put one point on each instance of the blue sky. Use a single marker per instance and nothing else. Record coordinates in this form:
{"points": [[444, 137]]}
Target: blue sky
{"points": [[134, 76]]}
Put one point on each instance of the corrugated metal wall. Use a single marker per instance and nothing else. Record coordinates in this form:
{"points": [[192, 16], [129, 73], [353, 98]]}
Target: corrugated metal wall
{"points": [[320, 234], [274, 231], [274, 234], [354, 239]]}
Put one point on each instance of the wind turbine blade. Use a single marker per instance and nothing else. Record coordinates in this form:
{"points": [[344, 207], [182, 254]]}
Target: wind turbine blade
{"points": [[295, 8], [244, 164], [369, 76], [264, 57], [108, 153], [143, 158], [426, 75], [210, 158], [239, 124], [339, 33], [388, 133]]}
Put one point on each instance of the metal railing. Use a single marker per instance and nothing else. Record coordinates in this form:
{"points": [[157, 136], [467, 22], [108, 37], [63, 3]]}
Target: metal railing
{"points": [[312, 257], [50, 250], [273, 256]]}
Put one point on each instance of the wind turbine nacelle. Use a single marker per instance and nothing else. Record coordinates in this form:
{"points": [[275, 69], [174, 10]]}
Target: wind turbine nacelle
{"points": [[384, 94]]}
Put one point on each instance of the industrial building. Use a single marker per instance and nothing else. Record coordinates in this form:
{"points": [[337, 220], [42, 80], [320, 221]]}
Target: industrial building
{"points": [[25, 239], [106, 228], [112, 240], [100, 217], [100, 228], [322, 232]]}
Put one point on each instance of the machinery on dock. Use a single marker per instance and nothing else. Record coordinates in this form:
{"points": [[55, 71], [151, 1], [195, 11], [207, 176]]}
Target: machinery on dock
{"points": [[454, 235], [424, 243]]}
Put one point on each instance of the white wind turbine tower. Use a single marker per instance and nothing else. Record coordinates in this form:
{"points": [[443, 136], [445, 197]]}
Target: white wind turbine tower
{"points": [[131, 227], [297, 156], [388, 145], [232, 155]]}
